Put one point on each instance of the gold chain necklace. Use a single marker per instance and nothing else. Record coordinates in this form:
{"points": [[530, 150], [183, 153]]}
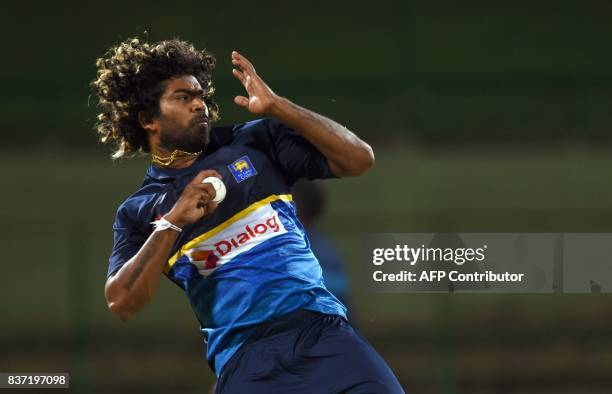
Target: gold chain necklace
{"points": [[166, 161]]}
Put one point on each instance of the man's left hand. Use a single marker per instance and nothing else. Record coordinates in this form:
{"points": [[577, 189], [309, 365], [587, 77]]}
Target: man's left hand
{"points": [[261, 98]]}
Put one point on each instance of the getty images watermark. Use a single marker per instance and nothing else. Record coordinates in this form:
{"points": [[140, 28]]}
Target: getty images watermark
{"points": [[515, 263], [423, 254]]}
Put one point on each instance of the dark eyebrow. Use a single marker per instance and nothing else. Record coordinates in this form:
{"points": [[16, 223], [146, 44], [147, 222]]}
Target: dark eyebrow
{"points": [[189, 91]]}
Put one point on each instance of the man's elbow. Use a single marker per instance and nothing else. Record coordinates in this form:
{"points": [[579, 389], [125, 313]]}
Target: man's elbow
{"points": [[368, 159], [124, 306], [357, 163], [121, 311], [361, 163]]}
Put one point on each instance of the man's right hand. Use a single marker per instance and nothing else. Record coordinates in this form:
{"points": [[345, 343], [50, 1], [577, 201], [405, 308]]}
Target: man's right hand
{"points": [[134, 285], [195, 201]]}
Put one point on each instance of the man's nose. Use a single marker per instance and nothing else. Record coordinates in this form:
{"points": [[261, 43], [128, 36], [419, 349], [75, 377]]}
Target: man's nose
{"points": [[201, 106]]}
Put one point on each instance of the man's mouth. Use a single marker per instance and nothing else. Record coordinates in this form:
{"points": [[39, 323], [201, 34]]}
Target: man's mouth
{"points": [[200, 120]]}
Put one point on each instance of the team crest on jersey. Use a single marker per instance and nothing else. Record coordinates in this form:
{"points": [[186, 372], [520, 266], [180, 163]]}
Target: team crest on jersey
{"points": [[242, 169]]}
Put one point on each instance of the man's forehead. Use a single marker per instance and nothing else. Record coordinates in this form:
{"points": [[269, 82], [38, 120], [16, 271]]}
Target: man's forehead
{"points": [[185, 82]]}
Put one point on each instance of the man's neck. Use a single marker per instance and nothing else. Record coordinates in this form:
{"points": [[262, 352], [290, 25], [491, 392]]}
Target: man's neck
{"points": [[179, 161]]}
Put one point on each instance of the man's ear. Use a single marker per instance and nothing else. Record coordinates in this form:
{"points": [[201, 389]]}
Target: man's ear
{"points": [[146, 122]]}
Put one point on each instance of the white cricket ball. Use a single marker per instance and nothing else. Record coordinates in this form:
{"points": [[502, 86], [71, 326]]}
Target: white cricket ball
{"points": [[219, 188]]}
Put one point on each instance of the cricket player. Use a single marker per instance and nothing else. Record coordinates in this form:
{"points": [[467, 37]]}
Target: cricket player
{"points": [[244, 263]]}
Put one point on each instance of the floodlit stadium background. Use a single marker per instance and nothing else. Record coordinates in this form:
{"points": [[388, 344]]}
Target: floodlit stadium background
{"points": [[485, 117]]}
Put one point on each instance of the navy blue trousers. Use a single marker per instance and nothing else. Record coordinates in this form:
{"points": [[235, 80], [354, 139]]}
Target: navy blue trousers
{"points": [[307, 352]]}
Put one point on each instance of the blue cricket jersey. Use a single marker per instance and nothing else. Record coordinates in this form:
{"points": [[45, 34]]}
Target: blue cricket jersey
{"points": [[250, 260]]}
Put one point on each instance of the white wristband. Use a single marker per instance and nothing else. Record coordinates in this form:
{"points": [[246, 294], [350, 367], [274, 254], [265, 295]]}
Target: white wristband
{"points": [[163, 224]]}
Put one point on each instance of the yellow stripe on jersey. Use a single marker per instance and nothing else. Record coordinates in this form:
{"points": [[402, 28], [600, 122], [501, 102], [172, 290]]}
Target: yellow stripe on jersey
{"points": [[190, 244]]}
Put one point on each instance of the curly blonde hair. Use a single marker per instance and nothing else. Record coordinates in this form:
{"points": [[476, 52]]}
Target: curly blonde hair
{"points": [[130, 80]]}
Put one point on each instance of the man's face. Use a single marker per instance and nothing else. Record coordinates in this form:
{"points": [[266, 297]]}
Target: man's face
{"points": [[183, 120]]}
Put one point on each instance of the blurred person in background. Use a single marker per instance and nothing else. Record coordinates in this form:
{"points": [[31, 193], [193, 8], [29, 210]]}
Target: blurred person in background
{"points": [[270, 323], [311, 202]]}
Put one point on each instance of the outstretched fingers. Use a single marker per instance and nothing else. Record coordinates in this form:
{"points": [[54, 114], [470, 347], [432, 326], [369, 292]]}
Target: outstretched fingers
{"points": [[240, 76], [241, 101], [245, 65]]}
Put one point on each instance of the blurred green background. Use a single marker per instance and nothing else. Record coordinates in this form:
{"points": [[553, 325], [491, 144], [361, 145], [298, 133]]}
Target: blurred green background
{"points": [[484, 116]]}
